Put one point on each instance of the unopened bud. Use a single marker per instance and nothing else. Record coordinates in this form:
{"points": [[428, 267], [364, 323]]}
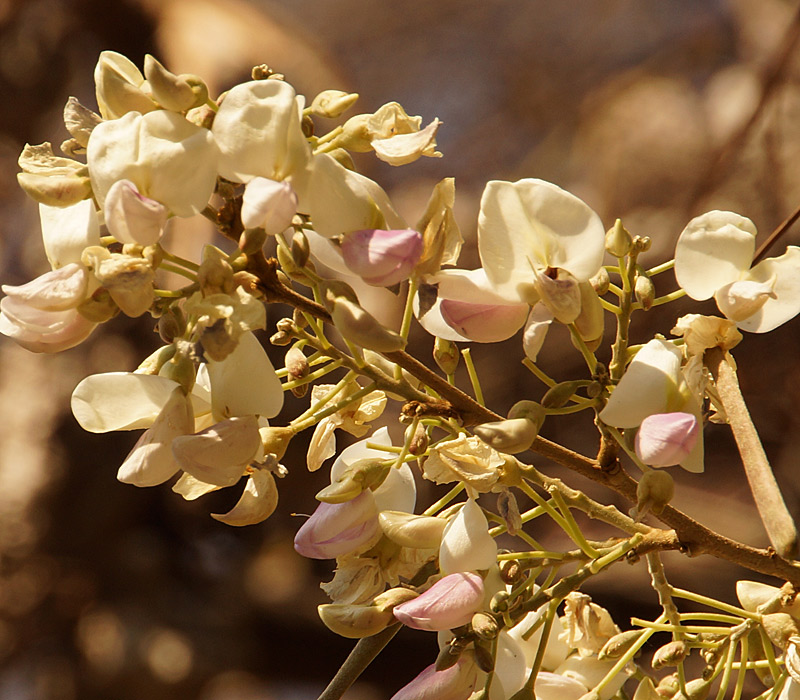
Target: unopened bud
{"points": [[508, 509], [654, 491], [668, 685], [296, 363], [215, 274], [698, 689], [332, 103], [485, 626], [558, 395], [448, 656], [387, 600], [354, 621], [300, 249], [408, 530], [446, 355], [499, 602], [615, 647], [289, 268], [171, 325], [382, 258], [641, 244], [343, 158], [510, 436], [526, 409], [618, 240], [281, 338], [419, 440], [154, 362], [118, 84], [80, 121], [178, 93], [670, 654], [510, 571], [360, 327], [644, 291], [356, 134]]}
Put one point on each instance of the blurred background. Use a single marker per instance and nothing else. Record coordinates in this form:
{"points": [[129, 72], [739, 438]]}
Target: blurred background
{"points": [[650, 111]]}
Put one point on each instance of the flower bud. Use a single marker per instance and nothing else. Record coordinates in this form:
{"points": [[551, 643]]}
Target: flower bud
{"points": [[269, 205], [387, 600], [332, 103], [382, 258], [510, 571], [670, 654], [558, 395], [665, 439], [360, 327], [510, 436], [354, 621], [590, 322], [252, 240], [645, 291], [654, 491], [409, 530], [618, 240], [419, 440], [178, 93], [698, 689], [337, 529], [449, 655], [450, 602], [531, 410], [80, 121], [180, 369], [301, 250], [296, 363], [446, 355], [485, 625], [359, 476], [615, 647]]}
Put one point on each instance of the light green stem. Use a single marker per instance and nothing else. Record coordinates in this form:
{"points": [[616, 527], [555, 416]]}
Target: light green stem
{"points": [[473, 376]]}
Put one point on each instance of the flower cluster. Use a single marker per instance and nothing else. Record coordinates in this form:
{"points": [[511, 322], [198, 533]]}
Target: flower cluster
{"points": [[286, 197]]}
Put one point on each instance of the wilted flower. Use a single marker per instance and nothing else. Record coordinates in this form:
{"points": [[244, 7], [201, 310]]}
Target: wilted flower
{"points": [[467, 459], [713, 257]]}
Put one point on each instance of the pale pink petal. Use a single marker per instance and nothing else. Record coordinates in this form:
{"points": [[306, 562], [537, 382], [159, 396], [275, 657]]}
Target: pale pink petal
{"points": [[337, 529], [450, 602]]}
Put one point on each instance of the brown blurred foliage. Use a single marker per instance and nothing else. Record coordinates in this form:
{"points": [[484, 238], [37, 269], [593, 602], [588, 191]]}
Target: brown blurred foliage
{"points": [[651, 111]]}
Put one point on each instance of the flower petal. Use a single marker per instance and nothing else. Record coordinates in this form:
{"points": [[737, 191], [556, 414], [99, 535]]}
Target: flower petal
{"points": [[466, 542], [66, 231], [450, 602], [337, 529], [259, 500], [120, 401], [786, 304], [713, 250]]}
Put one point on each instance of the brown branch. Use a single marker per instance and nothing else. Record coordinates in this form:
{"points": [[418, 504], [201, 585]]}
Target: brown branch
{"points": [[694, 538], [775, 235]]}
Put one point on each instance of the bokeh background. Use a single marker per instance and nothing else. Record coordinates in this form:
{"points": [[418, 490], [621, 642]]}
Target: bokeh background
{"points": [[650, 111]]}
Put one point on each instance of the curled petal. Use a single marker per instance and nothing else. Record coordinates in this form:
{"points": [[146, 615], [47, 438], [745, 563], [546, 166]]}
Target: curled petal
{"points": [[337, 529], [416, 531], [58, 290], [131, 217], [401, 149], [536, 327], [450, 602], [466, 542], [785, 304], [218, 455], [649, 385], [713, 250], [560, 292], [554, 686], [454, 683], [258, 501], [151, 461], [43, 331], [740, 300]]}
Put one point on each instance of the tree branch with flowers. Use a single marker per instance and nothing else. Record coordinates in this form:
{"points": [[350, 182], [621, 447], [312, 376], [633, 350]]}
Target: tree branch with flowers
{"points": [[298, 224]]}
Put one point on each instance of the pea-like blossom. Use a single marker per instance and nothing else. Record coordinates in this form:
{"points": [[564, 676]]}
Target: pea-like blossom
{"points": [[713, 257], [131, 217], [268, 204], [652, 384], [450, 602], [43, 315], [466, 543], [169, 159], [537, 242]]}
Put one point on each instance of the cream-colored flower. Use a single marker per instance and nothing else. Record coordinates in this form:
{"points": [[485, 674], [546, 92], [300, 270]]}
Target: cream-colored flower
{"points": [[466, 459]]}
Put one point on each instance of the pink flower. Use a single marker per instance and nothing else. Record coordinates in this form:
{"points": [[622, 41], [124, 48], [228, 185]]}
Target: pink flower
{"points": [[454, 683], [450, 602], [382, 258], [337, 529], [665, 439], [131, 217], [483, 322]]}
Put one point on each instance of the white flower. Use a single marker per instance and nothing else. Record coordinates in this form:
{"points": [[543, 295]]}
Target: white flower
{"points": [[537, 241], [713, 257], [466, 542], [268, 204], [654, 383], [169, 159], [131, 217], [257, 129]]}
